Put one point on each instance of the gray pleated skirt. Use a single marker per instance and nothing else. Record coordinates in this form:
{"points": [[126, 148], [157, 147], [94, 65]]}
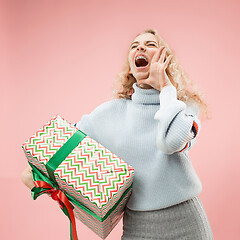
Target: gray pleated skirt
{"points": [[184, 221]]}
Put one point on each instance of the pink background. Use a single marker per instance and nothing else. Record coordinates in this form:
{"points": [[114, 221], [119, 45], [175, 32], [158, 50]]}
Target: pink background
{"points": [[60, 57]]}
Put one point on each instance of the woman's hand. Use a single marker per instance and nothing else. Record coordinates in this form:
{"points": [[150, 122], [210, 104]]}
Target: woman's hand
{"points": [[27, 178], [157, 76]]}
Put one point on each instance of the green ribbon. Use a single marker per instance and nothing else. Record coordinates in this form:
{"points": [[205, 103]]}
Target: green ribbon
{"points": [[63, 152]]}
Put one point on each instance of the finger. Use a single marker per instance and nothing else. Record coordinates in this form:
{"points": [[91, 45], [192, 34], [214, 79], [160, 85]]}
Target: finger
{"points": [[161, 60], [28, 169], [168, 60], [157, 54]]}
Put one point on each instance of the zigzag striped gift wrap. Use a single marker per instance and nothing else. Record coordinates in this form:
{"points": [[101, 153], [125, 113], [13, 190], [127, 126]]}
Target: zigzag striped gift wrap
{"points": [[91, 174]]}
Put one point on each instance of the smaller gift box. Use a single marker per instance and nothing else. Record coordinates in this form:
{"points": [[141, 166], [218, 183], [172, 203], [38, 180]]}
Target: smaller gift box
{"points": [[85, 178]]}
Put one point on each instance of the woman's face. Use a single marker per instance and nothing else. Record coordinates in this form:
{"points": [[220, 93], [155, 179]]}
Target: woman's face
{"points": [[140, 56]]}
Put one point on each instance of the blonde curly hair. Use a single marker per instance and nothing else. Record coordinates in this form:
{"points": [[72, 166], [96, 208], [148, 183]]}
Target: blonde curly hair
{"points": [[187, 90]]}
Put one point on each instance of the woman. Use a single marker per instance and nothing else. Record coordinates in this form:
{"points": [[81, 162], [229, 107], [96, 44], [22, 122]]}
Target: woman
{"points": [[152, 124]]}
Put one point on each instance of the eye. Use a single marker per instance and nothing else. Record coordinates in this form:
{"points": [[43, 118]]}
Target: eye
{"points": [[133, 46], [152, 44]]}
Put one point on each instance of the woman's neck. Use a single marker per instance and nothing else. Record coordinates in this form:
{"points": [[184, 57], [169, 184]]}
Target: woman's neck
{"points": [[144, 86]]}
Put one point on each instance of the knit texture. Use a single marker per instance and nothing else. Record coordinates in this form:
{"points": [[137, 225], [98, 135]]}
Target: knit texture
{"points": [[153, 132], [184, 221]]}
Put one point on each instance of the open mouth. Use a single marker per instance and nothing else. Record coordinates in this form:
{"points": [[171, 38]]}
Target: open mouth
{"points": [[141, 61]]}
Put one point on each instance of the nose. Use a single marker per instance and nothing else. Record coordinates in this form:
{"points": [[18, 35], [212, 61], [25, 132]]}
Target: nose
{"points": [[141, 47]]}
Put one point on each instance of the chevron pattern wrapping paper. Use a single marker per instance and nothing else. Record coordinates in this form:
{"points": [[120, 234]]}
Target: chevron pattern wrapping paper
{"points": [[91, 174]]}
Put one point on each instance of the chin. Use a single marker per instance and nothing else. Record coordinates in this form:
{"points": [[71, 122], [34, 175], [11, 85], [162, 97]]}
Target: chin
{"points": [[141, 75]]}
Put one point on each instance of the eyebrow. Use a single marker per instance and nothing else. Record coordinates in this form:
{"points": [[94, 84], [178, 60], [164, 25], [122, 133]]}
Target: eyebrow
{"points": [[145, 42]]}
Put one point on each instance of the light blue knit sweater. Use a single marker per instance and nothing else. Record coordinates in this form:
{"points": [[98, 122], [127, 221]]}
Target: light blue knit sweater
{"points": [[153, 132]]}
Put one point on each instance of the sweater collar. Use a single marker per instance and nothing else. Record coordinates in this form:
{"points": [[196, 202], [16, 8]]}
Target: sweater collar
{"points": [[145, 96]]}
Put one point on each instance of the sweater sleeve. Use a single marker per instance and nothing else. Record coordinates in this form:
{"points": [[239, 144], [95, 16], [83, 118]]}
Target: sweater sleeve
{"points": [[177, 126], [85, 125]]}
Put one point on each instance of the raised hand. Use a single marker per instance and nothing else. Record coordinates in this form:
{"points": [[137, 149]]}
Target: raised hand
{"points": [[157, 75]]}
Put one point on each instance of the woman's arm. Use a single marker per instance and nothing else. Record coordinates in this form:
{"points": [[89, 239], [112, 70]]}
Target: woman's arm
{"points": [[177, 127]]}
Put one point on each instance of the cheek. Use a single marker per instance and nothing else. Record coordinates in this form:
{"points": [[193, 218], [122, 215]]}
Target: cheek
{"points": [[153, 53], [130, 59], [131, 64]]}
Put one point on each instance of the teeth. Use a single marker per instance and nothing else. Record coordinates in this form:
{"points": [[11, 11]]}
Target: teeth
{"points": [[141, 57]]}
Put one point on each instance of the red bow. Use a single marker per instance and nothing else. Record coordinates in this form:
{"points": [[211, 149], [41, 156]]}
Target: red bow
{"points": [[62, 200]]}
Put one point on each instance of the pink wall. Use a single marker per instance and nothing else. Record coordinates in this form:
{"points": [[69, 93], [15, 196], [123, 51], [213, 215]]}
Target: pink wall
{"points": [[60, 57]]}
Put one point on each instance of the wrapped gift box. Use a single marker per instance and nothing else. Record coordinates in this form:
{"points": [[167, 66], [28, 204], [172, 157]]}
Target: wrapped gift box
{"points": [[96, 181]]}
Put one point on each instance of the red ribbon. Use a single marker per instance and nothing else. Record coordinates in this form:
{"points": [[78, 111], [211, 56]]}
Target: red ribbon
{"points": [[62, 200]]}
